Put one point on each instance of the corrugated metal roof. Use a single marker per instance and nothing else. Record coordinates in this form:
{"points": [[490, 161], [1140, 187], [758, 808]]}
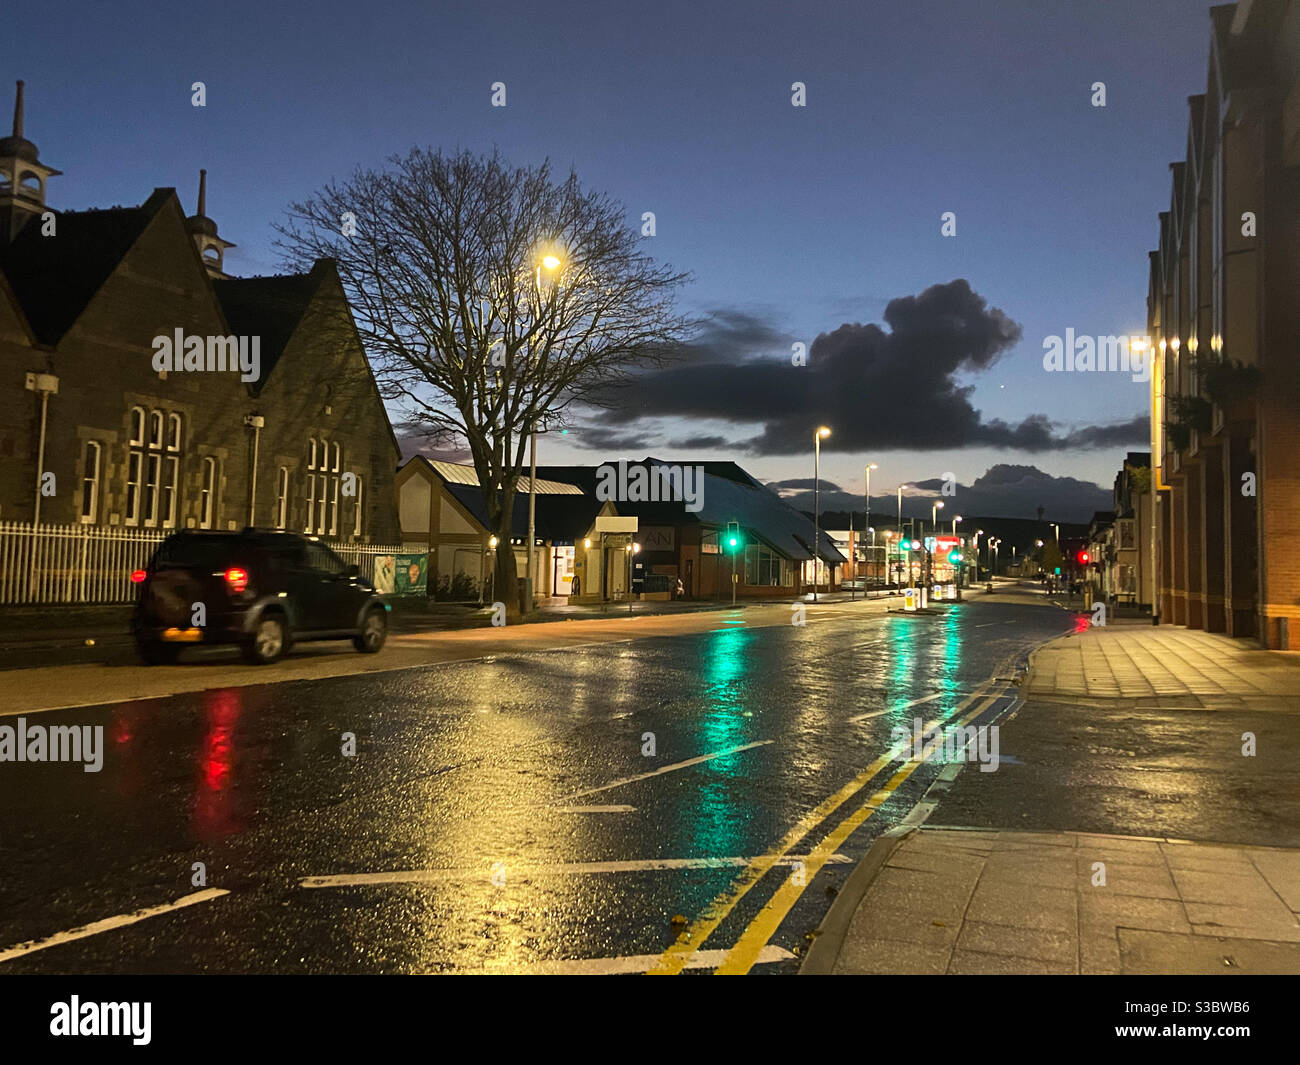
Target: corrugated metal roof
{"points": [[457, 473]]}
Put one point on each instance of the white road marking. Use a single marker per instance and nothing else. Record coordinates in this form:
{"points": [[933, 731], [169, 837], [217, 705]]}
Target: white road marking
{"points": [[637, 963], [902, 706], [109, 923], [669, 769], [652, 865], [595, 809]]}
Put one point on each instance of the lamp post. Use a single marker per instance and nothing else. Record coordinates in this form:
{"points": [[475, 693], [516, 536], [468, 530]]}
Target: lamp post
{"points": [[934, 531], [867, 523], [900, 537], [822, 431], [492, 568], [549, 263]]}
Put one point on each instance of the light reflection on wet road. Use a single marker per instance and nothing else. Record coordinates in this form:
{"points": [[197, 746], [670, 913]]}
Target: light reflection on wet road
{"points": [[467, 768]]}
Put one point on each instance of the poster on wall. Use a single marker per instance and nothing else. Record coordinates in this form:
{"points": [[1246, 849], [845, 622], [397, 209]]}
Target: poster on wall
{"points": [[385, 566], [410, 574]]}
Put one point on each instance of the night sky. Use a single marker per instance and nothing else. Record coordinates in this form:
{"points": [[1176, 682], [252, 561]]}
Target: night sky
{"points": [[793, 222]]}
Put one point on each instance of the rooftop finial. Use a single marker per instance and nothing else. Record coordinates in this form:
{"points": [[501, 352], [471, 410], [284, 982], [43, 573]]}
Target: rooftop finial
{"points": [[18, 111], [203, 193]]}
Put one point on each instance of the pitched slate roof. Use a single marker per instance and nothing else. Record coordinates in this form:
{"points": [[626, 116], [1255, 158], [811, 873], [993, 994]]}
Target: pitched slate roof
{"points": [[54, 278], [729, 494], [269, 307], [558, 518]]}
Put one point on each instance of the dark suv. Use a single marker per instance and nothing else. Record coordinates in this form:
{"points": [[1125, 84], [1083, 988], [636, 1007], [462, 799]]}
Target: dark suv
{"points": [[259, 589]]}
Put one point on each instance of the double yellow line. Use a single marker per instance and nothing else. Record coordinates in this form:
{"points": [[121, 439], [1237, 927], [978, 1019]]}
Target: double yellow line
{"points": [[741, 957]]}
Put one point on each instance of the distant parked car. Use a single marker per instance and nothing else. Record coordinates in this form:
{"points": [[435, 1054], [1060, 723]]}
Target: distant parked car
{"points": [[261, 590]]}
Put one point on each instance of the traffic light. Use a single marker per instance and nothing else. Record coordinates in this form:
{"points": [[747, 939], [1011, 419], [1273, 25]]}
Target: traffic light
{"points": [[1083, 558], [733, 535], [954, 557]]}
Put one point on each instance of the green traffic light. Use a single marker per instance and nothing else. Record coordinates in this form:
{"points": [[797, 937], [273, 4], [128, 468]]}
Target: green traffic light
{"points": [[733, 541]]}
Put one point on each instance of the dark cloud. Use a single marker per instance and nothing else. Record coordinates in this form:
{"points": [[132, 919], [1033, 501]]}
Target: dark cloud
{"points": [[600, 438], [701, 443], [878, 389], [1006, 491], [412, 442], [797, 483], [1136, 430]]}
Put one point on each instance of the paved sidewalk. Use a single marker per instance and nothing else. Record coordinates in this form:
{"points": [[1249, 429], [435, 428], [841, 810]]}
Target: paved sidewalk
{"points": [[962, 902], [954, 900], [1164, 666]]}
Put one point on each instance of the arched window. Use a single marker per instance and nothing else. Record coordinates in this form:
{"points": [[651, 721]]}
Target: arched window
{"points": [[90, 483], [282, 498], [173, 432], [357, 511], [155, 429], [137, 426], [334, 489], [208, 494]]}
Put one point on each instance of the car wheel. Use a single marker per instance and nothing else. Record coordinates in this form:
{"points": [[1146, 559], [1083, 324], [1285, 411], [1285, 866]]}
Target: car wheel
{"points": [[156, 653], [374, 631], [269, 641]]}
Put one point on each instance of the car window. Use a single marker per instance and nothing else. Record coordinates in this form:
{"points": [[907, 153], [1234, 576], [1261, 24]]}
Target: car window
{"points": [[320, 558], [194, 552]]}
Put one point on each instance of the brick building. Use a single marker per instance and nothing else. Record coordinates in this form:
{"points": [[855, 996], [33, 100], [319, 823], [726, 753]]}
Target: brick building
{"points": [[295, 437], [1225, 319]]}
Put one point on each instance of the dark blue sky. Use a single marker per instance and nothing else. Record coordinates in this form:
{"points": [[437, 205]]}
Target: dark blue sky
{"points": [[804, 218]]}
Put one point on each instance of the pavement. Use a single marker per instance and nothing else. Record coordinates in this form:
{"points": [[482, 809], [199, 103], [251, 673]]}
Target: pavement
{"points": [[1001, 899]]}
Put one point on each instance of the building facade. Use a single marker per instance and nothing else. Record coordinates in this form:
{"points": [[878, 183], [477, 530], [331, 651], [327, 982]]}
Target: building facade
{"points": [[1225, 325], [142, 387]]}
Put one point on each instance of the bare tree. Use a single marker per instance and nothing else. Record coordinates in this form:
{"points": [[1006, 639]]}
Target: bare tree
{"points": [[490, 299]]}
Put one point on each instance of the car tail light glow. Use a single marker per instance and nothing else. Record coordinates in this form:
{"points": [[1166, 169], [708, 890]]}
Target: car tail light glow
{"points": [[138, 576], [237, 578]]}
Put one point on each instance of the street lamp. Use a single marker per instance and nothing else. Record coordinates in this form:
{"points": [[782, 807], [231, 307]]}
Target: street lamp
{"points": [[1058, 533], [867, 523], [934, 530], [492, 570], [818, 436], [550, 263], [955, 519], [900, 534]]}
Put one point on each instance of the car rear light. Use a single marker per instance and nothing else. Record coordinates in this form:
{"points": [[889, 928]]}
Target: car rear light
{"points": [[237, 578], [138, 576]]}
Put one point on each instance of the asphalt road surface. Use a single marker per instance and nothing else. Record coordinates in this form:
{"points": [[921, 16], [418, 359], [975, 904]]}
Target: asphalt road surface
{"points": [[685, 802]]}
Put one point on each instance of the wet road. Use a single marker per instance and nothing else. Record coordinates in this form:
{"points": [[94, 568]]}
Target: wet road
{"points": [[542, 811]]}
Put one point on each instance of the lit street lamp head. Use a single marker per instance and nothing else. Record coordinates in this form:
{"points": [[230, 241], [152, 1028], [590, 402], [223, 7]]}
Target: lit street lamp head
{"points": [[551, 262], [823, 432]]}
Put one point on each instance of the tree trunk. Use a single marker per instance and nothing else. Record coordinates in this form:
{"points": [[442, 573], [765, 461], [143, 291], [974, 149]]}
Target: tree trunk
{"points": [[506, 577]]}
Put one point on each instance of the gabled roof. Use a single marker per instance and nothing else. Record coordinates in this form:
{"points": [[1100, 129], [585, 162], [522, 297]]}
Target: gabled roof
{"points": [[269, 307], [460, 473], [728, 494], [55, 278]]}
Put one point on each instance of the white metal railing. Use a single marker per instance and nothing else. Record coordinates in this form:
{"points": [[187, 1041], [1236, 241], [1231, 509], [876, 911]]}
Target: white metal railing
{"points": [[93, 564]]}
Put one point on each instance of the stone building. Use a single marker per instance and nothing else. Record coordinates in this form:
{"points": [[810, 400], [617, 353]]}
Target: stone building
{"points": [[1225, 322], [93, 431]]}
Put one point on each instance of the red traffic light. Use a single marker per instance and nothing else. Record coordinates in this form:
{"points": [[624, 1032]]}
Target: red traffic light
{"points": [[1083, 558]]}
